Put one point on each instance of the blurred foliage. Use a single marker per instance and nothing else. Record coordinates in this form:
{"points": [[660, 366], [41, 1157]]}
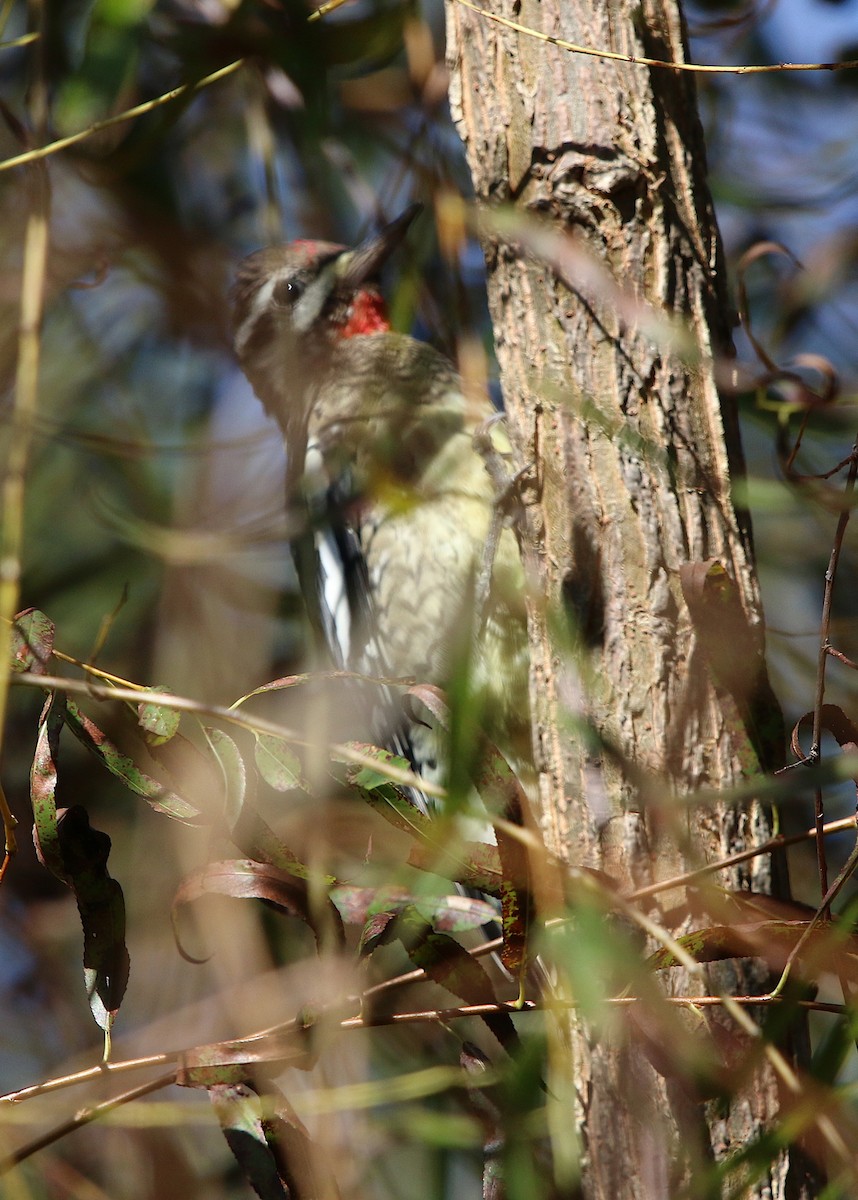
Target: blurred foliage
{"points": [[154, 540], [154, 537]]}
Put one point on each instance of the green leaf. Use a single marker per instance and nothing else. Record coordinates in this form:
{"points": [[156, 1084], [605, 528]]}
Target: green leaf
{"points": [[450, 914], [124, 768], [158, 722], [456, 914], [233, 773], [387, 798], [278, 763], [475, 864]]}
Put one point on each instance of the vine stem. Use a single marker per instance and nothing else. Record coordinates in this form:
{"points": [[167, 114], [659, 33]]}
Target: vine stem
{"points": [[23, 413], [824, 648]]}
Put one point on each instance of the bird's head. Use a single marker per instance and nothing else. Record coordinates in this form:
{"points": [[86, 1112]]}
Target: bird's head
{"points": [[290, 303]]}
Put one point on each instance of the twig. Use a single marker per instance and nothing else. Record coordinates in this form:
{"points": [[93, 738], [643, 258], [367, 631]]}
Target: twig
{"points": [[779, 1064], [139, 110], [779, 842], [841, 658], [638, 60], [415, 1017], [102, 1071], [24, 407], [220, 713], [822, 913], [822, 659], [84, 1117]]}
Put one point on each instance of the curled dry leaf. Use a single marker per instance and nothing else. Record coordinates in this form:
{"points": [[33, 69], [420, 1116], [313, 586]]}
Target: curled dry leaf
{"points": [[244, 879], [833, 720]]}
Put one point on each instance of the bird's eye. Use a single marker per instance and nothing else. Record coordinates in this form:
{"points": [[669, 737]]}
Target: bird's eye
{"points": [[287, 291]]}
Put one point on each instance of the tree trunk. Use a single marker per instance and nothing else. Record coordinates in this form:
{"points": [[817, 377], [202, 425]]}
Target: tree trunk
{"points": [[634, 450]]}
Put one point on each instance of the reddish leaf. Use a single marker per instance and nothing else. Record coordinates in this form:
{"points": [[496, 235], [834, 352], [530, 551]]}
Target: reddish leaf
{"points": [[124, 768], [374, 931], [32, 641], [245, 879], [434, 700], [276, 685], [355, 904], [43, 785]]}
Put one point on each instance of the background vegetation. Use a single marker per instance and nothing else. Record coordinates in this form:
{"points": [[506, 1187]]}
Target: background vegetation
{"points": [[152, 535]]}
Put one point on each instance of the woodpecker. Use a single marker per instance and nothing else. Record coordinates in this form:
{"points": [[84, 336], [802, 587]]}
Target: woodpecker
{"points": [[408, 569]]}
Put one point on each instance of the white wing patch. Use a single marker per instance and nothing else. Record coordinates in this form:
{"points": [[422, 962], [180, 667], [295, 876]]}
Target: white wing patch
{"points": [[334, 600]]}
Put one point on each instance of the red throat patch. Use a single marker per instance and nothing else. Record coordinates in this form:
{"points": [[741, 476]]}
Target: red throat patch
{"points": [[367, 314]]}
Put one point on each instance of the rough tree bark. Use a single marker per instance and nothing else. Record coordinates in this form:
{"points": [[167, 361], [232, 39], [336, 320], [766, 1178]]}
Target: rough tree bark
{"points": [[635, 451]]}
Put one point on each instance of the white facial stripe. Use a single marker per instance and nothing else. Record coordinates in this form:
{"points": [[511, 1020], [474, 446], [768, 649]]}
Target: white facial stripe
{"points": [[261, 301], [314, 299], [304, 313]]}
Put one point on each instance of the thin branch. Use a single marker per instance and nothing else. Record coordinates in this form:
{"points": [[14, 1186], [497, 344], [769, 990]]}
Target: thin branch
{"points": [[81, 1118], [779, 842], [415, 1017], [822, 659], [89, 1074], [24, 407], [219, 713], [129, 114], [612, 56], [779, 1064], [24, 40], [841, 658]]}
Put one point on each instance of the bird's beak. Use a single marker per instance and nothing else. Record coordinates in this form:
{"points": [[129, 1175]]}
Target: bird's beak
{"points": [[357, 266]]}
